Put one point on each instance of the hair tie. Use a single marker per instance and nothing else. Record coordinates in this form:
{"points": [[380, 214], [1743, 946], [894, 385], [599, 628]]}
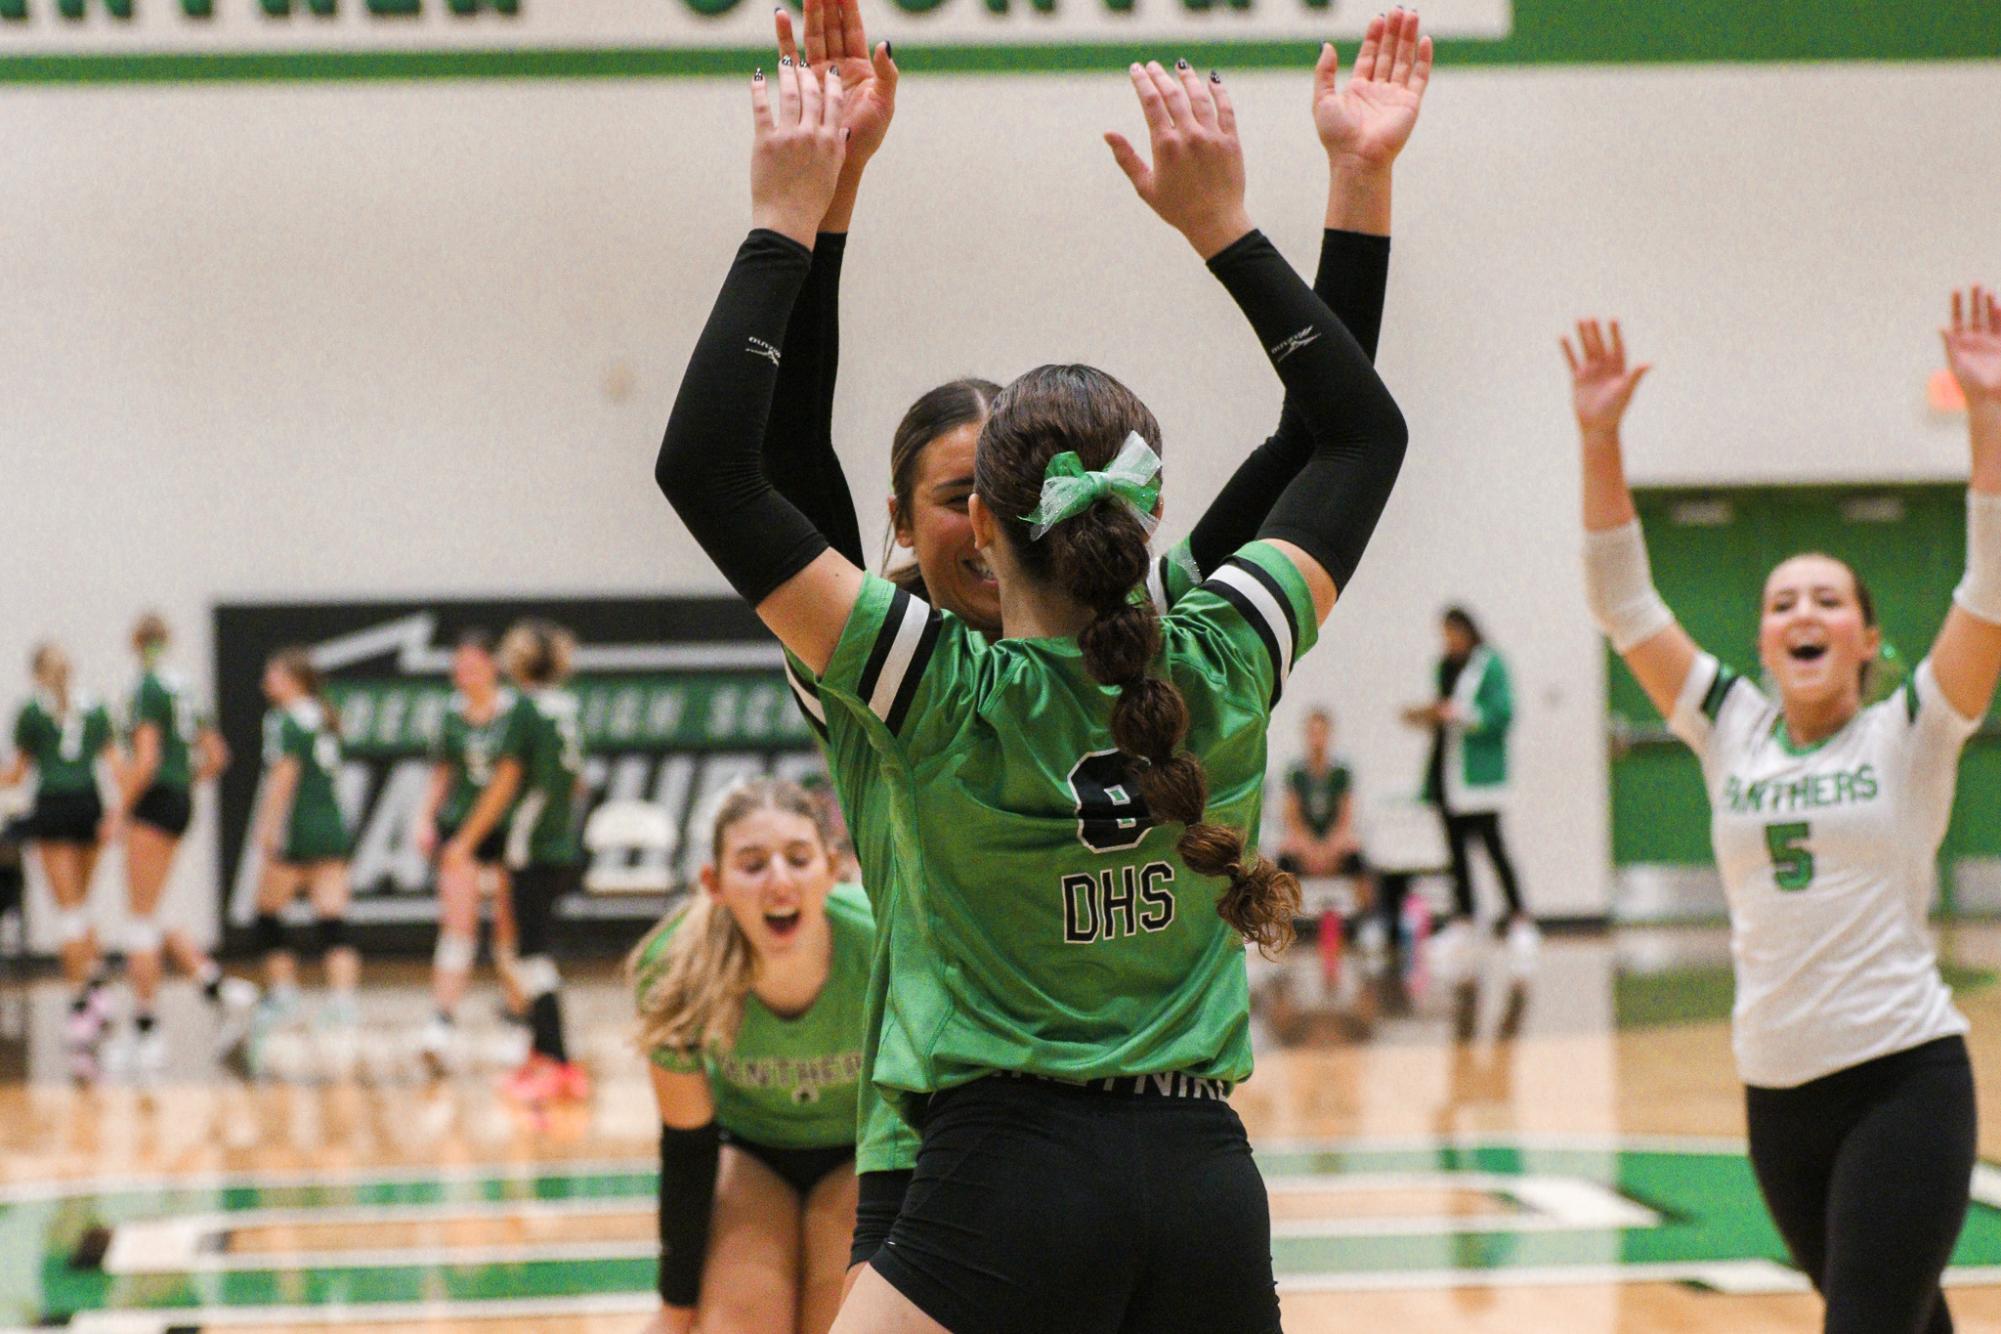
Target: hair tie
{"points": [[1069, 488]]}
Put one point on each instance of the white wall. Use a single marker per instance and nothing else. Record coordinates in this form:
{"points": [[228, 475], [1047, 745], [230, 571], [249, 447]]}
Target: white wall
{"points": [[364, 340]]}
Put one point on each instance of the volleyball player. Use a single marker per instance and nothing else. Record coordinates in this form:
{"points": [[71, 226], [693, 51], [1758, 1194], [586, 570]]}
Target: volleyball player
{"points": [[1053, 923], [468, 745], [751, 1009], [1363, 125], [62, 734], [306, 843], [1827, 816], [173, 747], [1319, 823], [541, 764]]}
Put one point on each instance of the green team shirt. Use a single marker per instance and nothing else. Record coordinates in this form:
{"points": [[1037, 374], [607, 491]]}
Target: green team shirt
{"points": [[886, 1142], [1320, 794], [161, 698], [790, 1083], [1040, 921], [63, 743], [469, 749], [544, 735], [316, 830]]}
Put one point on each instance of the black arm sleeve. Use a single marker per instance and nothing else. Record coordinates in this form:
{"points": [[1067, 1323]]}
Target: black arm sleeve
{"points": [[1353, 276], [711, 464], [879, 1201], [687, 1190], [1355, 430], [799, 452]]}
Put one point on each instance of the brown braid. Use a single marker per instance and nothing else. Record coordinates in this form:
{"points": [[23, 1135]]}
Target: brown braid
{"points": [[1100, 557]]}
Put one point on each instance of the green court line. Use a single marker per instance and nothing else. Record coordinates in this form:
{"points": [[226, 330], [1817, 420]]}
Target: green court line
{"points": [[1546, 32]]}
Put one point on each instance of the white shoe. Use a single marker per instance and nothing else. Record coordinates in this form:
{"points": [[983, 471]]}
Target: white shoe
{"points": [[1524, 941], [1372, 938], [236, 999], [434, 1047], [149, 1051], [1452, 950]]}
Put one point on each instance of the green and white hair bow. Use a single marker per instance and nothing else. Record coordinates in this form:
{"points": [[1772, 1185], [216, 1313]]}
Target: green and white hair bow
{"points": [[1069, 488]]}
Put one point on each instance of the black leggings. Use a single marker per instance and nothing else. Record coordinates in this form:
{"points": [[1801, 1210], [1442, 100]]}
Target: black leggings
{"points": [[1487, 826], [1868, 1173]]}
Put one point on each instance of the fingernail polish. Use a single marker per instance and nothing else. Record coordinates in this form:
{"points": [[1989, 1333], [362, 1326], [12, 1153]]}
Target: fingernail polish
{"points": [[784, 62], [1181, 64], [759, 75], [889, 48], [1214, 77]]}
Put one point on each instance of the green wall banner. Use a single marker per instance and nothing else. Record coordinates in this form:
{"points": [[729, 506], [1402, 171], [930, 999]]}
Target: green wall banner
{"points": [[65, 41]]}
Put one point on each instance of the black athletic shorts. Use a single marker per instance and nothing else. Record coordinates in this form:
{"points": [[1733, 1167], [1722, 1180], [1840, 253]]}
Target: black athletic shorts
{"points": [[801, 1169], [1039, 1207], [167, 809], [66, 817], [1352, 864], [879, 1201], [492, 850]]}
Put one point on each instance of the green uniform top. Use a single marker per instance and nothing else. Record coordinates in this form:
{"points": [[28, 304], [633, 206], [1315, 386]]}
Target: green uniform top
{"points": [[886, 1142], [63, 743], [469, 750], [1320, 794], [161, 698], [789, 1082], [1041, 922], [544, 736], [303, 733]]}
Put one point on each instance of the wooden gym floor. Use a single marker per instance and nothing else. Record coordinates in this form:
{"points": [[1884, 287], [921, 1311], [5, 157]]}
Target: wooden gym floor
{"points": [[1550, 1149]]}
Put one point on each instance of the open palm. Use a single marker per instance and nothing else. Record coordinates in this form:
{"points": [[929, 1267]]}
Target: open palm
{"points": [[835, 38], [1973, 345], [1371, 119], [1600, 384]]}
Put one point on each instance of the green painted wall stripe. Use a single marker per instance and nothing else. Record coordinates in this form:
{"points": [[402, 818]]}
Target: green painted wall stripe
{"points": [[1547, 32]]}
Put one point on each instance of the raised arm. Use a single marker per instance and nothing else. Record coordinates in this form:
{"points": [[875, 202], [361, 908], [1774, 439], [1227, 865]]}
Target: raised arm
{"points": [[1363, 126], [799, 436], [711, 464], [1326, 514], [1618, 581], [1966, 657]]}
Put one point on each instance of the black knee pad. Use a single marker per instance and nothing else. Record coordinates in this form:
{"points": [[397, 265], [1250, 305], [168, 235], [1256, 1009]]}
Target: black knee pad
{"points": [[268, 931], [330, 933]]}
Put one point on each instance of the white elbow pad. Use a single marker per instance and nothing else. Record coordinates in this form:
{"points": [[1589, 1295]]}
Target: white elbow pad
{"points": [[1979, 592], [1619, 584]]}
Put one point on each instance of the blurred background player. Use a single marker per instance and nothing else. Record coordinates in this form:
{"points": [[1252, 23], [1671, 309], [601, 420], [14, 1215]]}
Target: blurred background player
{"points": [[541, 763], [467, 749], [751, 1008], [173, 747], [61, 733], [1467, 777], [305, 842], [1319, 821]]}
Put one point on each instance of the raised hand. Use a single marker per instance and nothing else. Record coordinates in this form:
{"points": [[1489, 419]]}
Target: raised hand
{"points": [[796, 157], [836, 39], [1368, 122], [1600, 384], [1973, 346], [1196, 180]]}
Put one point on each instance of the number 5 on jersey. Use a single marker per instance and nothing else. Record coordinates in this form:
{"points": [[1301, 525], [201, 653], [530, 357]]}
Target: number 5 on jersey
{"points": [[1792, 860]]}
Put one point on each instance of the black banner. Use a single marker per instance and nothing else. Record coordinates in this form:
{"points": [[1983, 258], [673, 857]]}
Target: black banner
{"points": [[680, 696]]}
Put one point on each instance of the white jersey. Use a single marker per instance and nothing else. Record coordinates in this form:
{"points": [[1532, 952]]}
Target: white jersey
{"points": [[1828, 857]]}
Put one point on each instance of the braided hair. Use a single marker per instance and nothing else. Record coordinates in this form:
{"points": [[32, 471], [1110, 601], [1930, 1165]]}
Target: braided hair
{"points": [[1099, 558]]}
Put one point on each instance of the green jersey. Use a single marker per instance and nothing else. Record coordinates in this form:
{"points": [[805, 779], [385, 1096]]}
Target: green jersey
{"points": [[1041, 921], [302, 733], [789, 1081], [1320, 794], [544, 736], [887, 1142], [469, 750], [161, 698], [63, 742]]}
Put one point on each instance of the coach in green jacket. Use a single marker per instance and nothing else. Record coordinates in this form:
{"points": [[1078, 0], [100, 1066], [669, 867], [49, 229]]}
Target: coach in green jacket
{"points": [[1467, 778]]}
